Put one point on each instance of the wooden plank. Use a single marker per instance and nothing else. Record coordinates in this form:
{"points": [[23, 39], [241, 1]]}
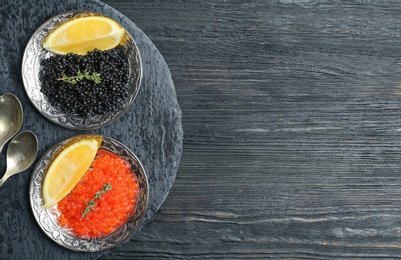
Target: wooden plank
{"points": [[291, 113]]}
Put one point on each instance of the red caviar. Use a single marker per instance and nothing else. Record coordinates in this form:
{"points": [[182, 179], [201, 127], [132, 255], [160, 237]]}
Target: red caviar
{"points": [[113, 207]]}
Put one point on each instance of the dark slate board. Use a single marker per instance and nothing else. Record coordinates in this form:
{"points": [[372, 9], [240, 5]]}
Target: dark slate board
{"points": [[151, 128]]}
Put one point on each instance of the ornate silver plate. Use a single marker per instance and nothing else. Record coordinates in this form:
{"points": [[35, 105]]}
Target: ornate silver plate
{"points": [[48, 218], [34, 54]]}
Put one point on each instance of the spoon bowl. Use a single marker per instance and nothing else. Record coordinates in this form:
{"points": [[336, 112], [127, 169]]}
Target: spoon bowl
{"points": [[11, 116], [21, 153]]}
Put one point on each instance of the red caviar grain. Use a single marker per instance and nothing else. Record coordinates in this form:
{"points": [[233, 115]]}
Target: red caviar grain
{"points": [[114, 206]]}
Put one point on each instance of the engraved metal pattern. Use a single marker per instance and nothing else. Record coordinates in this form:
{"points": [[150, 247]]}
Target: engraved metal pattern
{"points": [[34, 54], [48, 218]]}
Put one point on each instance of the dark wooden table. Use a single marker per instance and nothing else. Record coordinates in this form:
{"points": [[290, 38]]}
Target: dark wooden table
{"points": [[292, 121]]}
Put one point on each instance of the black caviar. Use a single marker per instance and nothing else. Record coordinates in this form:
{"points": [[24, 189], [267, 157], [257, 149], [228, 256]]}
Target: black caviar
{"points": [[86, 97]]}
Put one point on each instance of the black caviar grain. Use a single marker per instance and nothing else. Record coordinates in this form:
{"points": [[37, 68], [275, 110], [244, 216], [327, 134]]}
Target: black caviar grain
{"points": [[86, 98]]}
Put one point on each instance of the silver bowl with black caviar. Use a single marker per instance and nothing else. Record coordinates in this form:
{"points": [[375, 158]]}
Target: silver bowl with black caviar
{"points": [[32, 65]]}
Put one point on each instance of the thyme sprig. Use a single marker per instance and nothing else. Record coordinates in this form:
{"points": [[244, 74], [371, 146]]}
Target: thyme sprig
{"points": [[94, 76], [90, 205]]}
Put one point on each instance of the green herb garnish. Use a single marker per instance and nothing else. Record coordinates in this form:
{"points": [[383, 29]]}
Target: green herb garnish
{"points": [[90, 205], [94, 76]]}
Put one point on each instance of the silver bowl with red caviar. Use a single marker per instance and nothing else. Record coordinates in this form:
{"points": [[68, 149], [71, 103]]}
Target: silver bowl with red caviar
{"points": [[49, 219], [35, 54]]}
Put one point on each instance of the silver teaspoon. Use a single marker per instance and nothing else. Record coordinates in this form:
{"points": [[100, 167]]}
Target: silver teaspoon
{"points": [[21, 153], [11, 117]]}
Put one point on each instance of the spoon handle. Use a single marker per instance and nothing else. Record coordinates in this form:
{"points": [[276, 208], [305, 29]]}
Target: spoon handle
{"points": [[7, 174], [3, 180]]}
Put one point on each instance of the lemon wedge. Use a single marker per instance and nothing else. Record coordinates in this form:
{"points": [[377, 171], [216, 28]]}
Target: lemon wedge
{"points": [[67, 169], [83, 34]]}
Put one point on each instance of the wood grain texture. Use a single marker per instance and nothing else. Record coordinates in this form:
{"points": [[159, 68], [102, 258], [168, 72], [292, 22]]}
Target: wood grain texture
{"points": [[291, 113]]}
